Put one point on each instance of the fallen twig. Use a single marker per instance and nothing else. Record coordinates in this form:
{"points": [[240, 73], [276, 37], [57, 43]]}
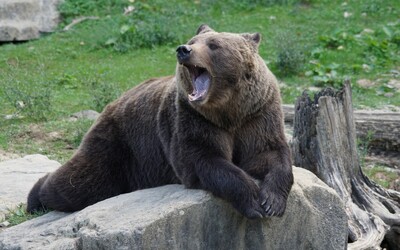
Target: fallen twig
{"points": [[79, 20]]}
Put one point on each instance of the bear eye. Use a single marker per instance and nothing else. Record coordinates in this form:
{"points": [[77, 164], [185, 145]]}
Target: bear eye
{"points": [[191, 42], [213, 46]]}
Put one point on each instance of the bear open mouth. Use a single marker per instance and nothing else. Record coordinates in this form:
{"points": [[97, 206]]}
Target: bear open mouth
{"points": [[200, 82]]}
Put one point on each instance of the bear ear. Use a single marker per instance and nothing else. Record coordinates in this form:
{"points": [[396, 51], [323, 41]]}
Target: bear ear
{"points": [[254, 39], [204, 28]]}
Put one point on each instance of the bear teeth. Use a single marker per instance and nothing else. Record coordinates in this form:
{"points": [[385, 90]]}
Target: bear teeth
{"points": [[201, 84]]}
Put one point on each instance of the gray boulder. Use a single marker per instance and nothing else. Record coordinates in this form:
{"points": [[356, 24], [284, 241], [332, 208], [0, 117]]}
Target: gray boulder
{"points": [[18, 176], [172, 217], [22, 20]]}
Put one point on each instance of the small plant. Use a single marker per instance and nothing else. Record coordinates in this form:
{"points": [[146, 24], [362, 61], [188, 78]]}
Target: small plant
{"points": [[363, 147], [371, 7], [336, 40], [79, 131], [290, 56], [102, 94], [18, 215], [381, 175], [31, 100], [67, 81], [325, 75], [138, 34]]}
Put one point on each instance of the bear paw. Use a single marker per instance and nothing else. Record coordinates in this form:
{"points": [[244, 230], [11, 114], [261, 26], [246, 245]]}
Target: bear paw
{"points": [[253, 210], [273, 203], [248, 203]]}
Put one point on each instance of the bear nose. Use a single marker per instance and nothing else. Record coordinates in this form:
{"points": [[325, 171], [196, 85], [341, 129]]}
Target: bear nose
{"points": [[183, 53]]}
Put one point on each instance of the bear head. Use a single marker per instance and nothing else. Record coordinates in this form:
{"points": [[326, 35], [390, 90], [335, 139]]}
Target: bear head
{"points": [[213, 66]]}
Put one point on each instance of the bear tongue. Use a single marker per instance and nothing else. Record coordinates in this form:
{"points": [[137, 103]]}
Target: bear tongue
{"points": [[200, 87]]}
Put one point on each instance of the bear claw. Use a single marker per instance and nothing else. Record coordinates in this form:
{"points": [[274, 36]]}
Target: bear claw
{"points": [[273, 204], [252, 213]]}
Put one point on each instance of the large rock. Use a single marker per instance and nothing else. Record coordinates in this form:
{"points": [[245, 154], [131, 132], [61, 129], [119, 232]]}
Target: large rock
{"points": [[22, 20], [172, 217], [85, 114], [18, 176]]}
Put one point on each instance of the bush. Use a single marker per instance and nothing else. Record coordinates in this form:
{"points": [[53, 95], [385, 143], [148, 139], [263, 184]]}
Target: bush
{"points": [[32, 100], [102, 94], [152, 23], [74, 8], [80, 128], [326, 75], [155, 24], [290, 55]]}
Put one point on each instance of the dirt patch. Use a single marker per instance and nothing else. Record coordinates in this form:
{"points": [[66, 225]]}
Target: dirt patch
{"points": [[36, 133], [389, 159], [4, 156], [384, 168], [387, 177]]}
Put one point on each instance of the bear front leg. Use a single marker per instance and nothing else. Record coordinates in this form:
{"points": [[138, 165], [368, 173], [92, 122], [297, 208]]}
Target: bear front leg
{"points": [[227, 181], [34, 204], [202, 162], [277, 179]]}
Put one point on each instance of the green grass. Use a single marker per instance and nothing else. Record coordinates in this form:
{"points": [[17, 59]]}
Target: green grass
{"points": [[305, 43], [19, 215], [381, 175], [57, 139]]}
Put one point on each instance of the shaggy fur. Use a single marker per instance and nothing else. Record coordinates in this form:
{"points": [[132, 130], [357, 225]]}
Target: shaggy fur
{"points": [[156, 134]]}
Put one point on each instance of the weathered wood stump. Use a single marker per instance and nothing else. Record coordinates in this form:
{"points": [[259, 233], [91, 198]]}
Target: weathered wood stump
{"points": [[324, 142]]}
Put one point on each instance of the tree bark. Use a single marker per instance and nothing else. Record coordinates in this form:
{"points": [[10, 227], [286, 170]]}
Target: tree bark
{"points": [[380, 128], [324, 142]]}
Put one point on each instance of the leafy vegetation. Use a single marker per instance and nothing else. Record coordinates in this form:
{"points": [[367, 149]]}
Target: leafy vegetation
{"points": [[19, 215], [33, 103], [363, 146], [381, 175]]}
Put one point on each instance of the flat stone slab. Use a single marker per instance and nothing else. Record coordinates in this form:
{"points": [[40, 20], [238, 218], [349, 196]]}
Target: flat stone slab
{"points": [[172, 217], [18, 176]]}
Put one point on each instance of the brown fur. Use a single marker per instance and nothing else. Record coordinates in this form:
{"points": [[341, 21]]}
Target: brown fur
{"points": [[154, 135]]}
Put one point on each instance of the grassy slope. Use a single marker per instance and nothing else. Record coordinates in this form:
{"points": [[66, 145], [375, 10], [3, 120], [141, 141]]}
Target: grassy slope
{"points": [[70, 63]]}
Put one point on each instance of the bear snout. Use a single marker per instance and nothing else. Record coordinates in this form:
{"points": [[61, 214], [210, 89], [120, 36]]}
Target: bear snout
{"points": [[183, 53]]}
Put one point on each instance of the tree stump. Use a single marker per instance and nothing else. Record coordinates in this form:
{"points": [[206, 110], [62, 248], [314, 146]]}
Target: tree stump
{"points": [[324, 142]]}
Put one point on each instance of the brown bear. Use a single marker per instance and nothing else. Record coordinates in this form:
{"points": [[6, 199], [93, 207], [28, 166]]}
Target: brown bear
{"points": [[216, 125]]}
